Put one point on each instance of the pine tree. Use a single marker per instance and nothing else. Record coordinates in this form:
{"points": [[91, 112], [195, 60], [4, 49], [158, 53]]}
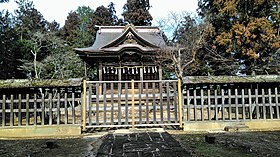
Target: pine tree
{"points": [[137, 12]]}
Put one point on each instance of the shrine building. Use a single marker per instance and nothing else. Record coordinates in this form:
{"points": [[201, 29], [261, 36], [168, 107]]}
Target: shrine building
{"points": [[125, 53]]}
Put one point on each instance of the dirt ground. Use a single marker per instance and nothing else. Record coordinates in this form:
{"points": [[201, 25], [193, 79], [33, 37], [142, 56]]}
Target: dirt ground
{"points": [[228, 144], [73, 147], [247, 144]]}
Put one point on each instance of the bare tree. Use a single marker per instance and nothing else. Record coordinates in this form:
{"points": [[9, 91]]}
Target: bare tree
{"points": [[187, 39], [39, 44]]}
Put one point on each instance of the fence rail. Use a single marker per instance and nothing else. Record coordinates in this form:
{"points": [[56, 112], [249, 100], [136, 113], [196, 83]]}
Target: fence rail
{"points": [[231, 102]]}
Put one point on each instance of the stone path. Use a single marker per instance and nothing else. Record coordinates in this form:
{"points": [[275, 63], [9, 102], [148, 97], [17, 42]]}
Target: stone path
{"points": [[141, 143]]}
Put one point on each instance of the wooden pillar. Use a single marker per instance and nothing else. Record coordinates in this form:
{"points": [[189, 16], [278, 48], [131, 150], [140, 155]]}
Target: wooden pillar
{"points": [[84, 105], [180, 104], [141, 79], [160, 72], [119, 74], [100, 77], [141, 74], [100, 72], [85, 69]]}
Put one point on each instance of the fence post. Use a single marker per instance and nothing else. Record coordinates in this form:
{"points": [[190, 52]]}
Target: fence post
{"points": [[132, 103], [84, 103], [180, 103]]}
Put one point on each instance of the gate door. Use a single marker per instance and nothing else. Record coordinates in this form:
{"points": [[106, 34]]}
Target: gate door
{"points": [[131, 103]]}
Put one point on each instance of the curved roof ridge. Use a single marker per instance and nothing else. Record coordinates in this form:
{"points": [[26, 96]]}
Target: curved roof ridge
{"points": [[127, 29]]}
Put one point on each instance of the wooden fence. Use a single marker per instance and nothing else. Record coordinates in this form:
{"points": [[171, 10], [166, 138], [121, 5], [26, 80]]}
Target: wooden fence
{"points": [[40, 106], [138, 103], [231, 101], [131, 103]]}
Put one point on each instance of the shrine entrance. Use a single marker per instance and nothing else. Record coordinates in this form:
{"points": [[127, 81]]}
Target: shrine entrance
{"points": [[123, 53], [129, 90]]}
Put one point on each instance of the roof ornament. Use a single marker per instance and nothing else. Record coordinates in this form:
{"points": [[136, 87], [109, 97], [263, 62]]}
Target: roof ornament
{"points": [[98, 29], [129, 26], [130, 39]]}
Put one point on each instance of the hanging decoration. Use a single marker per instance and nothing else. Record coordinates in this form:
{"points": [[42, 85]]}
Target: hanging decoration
{"points": [[130, 70]]}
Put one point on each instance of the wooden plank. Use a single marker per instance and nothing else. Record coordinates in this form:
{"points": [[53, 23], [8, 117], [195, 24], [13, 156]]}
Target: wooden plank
{"points": [[126, 103], [132, 104], [154, 102], [84, 105], [147, 102], [27, 111], [270, 103], [19, 111], [180, 101], [137, 125], [236, 104], [209, 103], [216, 104], [257, 103], [112, 103], [277, 102], [42, 108], [229, 104], [50, 108], [202, 104], [35, 110], [73, 107], [97, 104], [4, 110], [140, 101], [161, 101], [188, 106], [168, 101], [177, 98], [104, 103], [223, 104], [195, 104], [243, 104], [88, 105], [57, 107], [66, 108], [250, 104], [11, 111], [263, 104], [119, 103]]}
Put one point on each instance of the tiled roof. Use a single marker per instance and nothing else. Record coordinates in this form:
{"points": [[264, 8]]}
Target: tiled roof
{"points": [[107, 34]]}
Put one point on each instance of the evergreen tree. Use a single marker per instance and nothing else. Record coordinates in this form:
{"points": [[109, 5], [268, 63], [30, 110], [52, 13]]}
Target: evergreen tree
{"points": [[29, 19], [71, 25], [137, 12], [246, 30], [8, 48]]}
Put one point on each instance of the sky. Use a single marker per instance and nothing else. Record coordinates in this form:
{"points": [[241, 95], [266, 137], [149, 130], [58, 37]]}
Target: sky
{"points": [[58, 9]]}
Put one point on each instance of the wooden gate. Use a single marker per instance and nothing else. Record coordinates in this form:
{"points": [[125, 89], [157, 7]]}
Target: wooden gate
{"points": [[131, 103]]}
